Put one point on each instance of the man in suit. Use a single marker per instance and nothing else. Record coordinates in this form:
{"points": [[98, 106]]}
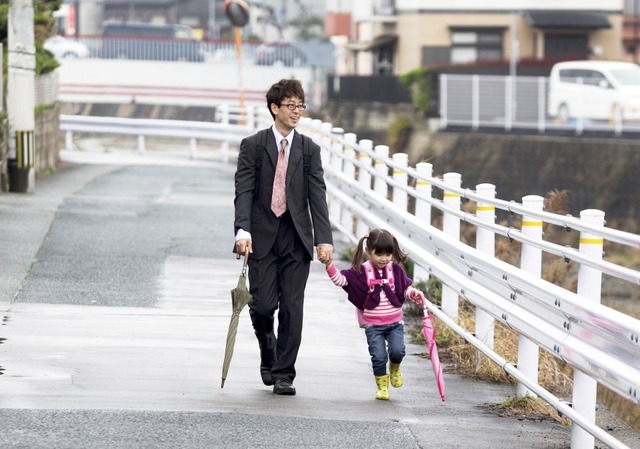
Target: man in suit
{"points": [[280, 215]]}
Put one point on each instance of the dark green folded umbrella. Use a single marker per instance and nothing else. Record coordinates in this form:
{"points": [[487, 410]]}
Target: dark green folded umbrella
{"points": [[240, 297]]}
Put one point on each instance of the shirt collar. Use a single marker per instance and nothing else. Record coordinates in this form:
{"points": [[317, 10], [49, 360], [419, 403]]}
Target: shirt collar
{"points": [[279, 138]]}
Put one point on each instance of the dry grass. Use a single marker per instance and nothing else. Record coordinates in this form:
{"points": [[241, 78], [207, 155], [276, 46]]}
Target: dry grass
{"points": [[554, 375]]}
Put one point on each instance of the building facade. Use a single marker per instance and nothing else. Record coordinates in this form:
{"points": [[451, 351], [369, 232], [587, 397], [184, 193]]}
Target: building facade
{"points": [[395, 36]]}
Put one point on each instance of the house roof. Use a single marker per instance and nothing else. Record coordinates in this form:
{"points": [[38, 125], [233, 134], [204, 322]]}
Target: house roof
{"points": [[378, 41], [584, 20], [139, 2]]}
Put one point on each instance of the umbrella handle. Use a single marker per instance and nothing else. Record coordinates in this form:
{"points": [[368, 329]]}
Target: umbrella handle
{"points": [[246, 260]]}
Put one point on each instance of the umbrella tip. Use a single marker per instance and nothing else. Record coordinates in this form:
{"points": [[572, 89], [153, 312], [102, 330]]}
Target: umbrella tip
{"points": [[222, 384]]}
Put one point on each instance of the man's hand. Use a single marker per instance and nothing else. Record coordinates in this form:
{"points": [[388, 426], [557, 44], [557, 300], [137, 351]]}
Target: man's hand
{"points": [[242, 245], [325, 254]]}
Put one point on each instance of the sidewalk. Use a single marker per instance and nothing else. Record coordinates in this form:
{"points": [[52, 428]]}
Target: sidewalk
{"points": [[159, 363]]}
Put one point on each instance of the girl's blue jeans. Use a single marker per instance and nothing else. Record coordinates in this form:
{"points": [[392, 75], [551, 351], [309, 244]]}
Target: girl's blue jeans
{"points": [[386, 343]]}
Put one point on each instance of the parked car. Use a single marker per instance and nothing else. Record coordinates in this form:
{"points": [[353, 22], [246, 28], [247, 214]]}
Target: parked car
{"points": [[62, 47], [280, 54], [148, 41], [596, 90]]}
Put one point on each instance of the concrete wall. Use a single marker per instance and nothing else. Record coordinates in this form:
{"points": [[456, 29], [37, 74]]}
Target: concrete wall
{"points": [[48, 139], [598, 173]]}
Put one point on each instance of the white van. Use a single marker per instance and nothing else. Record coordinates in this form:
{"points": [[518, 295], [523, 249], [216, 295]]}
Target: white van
{"points": [[597, 90]]}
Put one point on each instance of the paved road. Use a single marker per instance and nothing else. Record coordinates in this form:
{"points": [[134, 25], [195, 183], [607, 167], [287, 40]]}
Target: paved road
{"points": [[114, 294]]}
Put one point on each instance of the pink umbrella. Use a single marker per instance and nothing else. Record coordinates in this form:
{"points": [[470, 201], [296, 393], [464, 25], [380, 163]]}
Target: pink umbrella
{"points": [[429, 334]]}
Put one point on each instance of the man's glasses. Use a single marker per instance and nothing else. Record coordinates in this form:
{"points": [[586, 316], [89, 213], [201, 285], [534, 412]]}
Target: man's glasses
{"points": [[291, 106]]}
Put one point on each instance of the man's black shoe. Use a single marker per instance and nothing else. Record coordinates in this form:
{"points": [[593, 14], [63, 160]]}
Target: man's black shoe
{"points": [[267, 378], [284, 386]]}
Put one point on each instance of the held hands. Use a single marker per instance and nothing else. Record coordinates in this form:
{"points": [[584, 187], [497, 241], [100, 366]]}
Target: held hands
{"points": [[325, 254]]}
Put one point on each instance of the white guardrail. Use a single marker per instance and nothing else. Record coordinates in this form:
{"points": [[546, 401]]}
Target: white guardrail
{"points": [[601, 344]]}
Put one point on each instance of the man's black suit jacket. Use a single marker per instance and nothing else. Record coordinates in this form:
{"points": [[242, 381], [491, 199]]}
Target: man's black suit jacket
{"points": [[253, 214]]}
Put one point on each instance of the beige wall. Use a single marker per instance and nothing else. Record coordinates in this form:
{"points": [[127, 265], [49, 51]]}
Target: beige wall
{"points": [[609, 39], [418, 30]]}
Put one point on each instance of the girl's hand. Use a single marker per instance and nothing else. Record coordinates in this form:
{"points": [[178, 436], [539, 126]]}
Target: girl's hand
{"points": [[417, 296]]}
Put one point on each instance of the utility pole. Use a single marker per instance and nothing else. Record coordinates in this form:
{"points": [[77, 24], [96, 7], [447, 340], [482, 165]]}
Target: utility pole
{"points": [[20, 96]]}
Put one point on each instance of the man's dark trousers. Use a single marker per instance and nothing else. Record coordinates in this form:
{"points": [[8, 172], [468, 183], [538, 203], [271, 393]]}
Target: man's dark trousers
{"points": [[278, 281]]}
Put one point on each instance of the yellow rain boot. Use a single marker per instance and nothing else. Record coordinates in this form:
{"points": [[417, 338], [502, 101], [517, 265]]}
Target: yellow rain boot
{"points": [[396, 375], [383, 387]]}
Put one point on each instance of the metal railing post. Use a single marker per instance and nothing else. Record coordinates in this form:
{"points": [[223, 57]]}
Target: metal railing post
{"points": [[508, 102], [380, 185], [326, 142], [364, 179], [451, 227], [251, 117], [68, 141], [589, 287], [530, 262], [336, 164], [444, 107], [224, 119], [423, 208], [193, 148], [400, 176], [316, 125], [475, 102], [141, 144], [485, 243], [542, 104], [349, 169]]}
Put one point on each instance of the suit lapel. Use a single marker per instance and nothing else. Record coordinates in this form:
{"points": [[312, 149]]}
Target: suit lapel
{"points": [[295, 156], [272, 149]]}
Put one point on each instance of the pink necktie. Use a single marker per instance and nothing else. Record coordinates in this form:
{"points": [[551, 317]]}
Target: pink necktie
{"points": [[279, 195]]}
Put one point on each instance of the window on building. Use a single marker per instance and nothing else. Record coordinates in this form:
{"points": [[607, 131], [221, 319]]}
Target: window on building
{"points": [[470, 45]]}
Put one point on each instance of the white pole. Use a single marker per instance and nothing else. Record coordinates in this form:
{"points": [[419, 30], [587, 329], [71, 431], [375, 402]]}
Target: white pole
{"points": [[589, 287], [141, 144], [475, 101], [485, 243], [364, 179], [251, 117], [316, 125], [451, 227], [542, 103], [336, 163], [349, 169], [325, 142], [508, 102], [443, 101], [68, 141], [381, 169], [423, 208], [530, 262], [193, 148], [224, 119], [400, 176], [21, 96]]}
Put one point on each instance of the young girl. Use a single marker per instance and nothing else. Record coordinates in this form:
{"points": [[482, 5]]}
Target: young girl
{"points": [[378, 288]]}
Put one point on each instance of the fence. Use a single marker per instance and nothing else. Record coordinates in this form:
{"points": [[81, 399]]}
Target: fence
{"points": [[601, 344], [208, 51], [508, 103]]}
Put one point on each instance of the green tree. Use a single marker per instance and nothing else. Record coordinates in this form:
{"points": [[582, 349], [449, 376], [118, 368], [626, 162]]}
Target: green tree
{"points": [[420, 82], [43, 27]]}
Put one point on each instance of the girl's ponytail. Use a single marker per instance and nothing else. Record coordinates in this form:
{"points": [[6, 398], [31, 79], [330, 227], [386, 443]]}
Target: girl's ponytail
{"points": [[359, 255], [398, 254]]}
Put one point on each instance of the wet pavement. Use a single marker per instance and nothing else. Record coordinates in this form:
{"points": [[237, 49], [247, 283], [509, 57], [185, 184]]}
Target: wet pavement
{"points": [[97, 357]]}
